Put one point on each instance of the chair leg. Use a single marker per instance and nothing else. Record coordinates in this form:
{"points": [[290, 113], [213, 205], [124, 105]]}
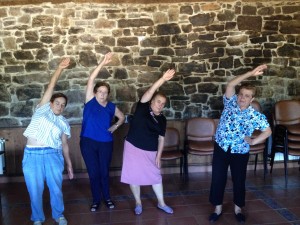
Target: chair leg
{"points": [[185, 165], [272, 159], [265, 158], [181, 166], [256, 156], [285, 158]]}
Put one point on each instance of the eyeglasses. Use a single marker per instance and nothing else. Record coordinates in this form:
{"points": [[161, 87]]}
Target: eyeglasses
{"points": [[245, 96], [102, 92], [57, 103]]}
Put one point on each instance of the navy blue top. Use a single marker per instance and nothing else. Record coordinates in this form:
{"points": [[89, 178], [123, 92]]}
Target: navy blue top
{"points": [[97, 120], [145, 127]]}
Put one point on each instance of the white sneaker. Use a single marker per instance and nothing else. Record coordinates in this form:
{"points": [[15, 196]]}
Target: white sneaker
{"points": [[37, 223], [62, 221]]}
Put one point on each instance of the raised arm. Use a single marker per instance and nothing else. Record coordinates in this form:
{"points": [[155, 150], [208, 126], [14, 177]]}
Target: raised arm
{"points": [[49, 91], [89, 94], [168, 75], [230, 89]]}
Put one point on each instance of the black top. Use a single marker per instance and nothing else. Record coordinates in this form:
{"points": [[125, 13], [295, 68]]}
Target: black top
{"points": [[145, 127]]}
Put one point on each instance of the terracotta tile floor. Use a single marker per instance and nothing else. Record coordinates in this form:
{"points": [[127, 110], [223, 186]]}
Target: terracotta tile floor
{"points": [[269, 201]]}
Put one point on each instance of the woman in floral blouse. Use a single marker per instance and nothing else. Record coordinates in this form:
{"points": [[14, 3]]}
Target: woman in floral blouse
{"points": [[233, 140]]}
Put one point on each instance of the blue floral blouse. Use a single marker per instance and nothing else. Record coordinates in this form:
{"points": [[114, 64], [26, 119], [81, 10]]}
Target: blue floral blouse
{"points": [[235, 124]]}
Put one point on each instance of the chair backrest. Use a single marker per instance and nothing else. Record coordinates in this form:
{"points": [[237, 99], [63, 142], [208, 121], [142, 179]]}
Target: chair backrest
{"points": [[200, 129], [287, 112], [255, 104], [172, 139]]}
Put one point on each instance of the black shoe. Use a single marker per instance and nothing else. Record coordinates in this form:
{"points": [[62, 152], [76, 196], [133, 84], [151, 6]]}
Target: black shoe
{"points": [[240, 217], [214, 217], [94, 207], [109, 204]]}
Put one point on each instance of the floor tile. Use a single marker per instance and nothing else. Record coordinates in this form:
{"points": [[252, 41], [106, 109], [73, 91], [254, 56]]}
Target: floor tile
{"points": [[268, 201]]}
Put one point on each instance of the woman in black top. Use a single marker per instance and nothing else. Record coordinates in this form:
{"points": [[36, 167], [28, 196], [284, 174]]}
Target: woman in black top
{"points": [[144, 144]]}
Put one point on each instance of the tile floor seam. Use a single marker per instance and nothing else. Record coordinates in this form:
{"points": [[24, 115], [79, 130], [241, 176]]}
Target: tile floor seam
{"points": [[270, 201], [284, 212]]}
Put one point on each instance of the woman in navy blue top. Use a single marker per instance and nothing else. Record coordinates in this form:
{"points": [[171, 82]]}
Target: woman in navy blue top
{"points": [[96, 139]]}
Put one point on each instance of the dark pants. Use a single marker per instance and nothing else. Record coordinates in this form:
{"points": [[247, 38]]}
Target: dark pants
{"points": [[97, 158], [238, 167]]}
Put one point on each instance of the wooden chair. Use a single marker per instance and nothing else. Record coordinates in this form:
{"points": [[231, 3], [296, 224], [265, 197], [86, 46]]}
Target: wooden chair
{"points": [[261, 147], [199, 138], [286, 134], [171, 149]]}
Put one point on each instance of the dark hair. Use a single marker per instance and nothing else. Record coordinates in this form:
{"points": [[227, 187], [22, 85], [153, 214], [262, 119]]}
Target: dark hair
{"points": [[158, 93], [250, 87], [58, 95], [100, 84]]}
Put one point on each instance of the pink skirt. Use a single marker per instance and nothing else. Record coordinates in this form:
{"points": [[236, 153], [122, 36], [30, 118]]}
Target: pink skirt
{"points": [[139, 166]]}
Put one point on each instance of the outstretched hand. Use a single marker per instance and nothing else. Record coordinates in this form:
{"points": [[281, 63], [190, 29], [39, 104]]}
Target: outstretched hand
{"points": [[259, 70], [107, 58], [64, 63], [168, 75]]}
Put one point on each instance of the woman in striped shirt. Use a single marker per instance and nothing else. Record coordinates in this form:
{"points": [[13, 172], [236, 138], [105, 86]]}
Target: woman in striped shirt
{"points": [[46, 150]]}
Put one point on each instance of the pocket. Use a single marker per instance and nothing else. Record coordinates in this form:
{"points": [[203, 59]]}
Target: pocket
{"points": [[61, 159]]}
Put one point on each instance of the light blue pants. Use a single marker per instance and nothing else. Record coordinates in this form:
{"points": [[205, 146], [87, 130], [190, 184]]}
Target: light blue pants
{"points": [[40, 165]]}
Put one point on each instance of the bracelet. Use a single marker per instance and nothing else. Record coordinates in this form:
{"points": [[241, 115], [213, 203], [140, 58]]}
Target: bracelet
{"points": [[116, 125]]}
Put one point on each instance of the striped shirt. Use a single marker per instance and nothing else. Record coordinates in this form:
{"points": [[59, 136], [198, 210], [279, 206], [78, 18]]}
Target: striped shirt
{"points": [[47, 128]]}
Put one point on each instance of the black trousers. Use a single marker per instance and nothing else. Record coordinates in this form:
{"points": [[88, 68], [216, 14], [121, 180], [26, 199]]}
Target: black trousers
{"points": [[97, 157], [238, 167]]}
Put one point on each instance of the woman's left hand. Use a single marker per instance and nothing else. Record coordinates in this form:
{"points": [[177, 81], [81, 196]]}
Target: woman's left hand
{"points": [[112, 128], [259, 70], [64, 63], [168, 75], [107, 58], [249, 140], [70, 172], [158, 161]]}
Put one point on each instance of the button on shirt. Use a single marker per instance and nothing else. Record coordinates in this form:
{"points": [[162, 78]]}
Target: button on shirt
{"points": [[235, 124], [47, 128]]}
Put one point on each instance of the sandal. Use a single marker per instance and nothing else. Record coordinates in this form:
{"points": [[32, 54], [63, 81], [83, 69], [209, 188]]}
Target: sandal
{"points": [[62, 221], [37, 223], [138, 210], [166, 209], [240, 217], [94, 207], [109, 204]]}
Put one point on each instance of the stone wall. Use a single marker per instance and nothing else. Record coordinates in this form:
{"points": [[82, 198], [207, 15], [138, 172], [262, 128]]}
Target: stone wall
{"points": [[207, 42]]}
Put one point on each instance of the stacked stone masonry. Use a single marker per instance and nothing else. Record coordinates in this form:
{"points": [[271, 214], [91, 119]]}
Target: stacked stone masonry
{"points": [[207, 42]]}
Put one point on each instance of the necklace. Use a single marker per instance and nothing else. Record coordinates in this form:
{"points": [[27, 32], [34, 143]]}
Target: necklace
{"points": [[153, 115]]}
